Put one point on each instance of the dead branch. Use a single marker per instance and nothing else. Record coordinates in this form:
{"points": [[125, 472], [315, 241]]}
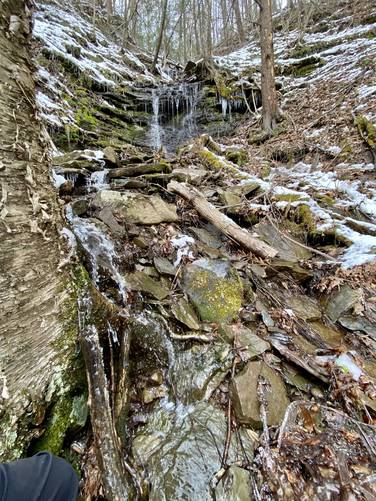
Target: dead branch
{"points": [[221, 221]]}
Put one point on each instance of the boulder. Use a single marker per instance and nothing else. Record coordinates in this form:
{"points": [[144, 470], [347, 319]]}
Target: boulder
{"points": [[342, 301], [109, 154], [245, 400], [215, 289], [137, 208]]}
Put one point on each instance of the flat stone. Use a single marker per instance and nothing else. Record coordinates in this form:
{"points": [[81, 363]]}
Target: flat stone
{"points": [[107, 217], [229, 198], [304, 307], [189, 175], [153, 393], [184, 312], [234, 486], [357, 323], [80, 207], [208, 238], [81, 160], [251, 344], [142, 282], [215, 289], [245, 400], [182, 448], [164, 266], [291, 268], [333, 337], [287, 250], [141, 242], [342, 301], [137, 208]]}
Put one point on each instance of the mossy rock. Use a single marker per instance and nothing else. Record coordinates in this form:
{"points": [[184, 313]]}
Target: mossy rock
{"points": [[301, 68], [239, 157], [367, 130], [215, 289], [68, 415]]}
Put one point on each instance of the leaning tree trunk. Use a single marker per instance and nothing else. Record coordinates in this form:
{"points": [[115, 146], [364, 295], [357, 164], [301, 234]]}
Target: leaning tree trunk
{"points": [[268, 90], [38, 330]]}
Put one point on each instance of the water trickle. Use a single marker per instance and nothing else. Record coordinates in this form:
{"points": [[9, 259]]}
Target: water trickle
{"points": [[155, 136], [100, 249], [98, 180], [173, 114]]}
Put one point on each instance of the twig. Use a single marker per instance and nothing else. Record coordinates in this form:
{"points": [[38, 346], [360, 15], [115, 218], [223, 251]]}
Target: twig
{"points": [[315, 251]]}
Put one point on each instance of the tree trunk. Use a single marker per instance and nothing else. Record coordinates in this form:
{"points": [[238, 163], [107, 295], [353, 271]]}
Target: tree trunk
{"points": [[239, 21], [38, 324], [161, 33], [268, 90]]}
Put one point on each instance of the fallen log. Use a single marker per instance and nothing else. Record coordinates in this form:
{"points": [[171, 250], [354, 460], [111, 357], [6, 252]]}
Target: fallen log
{"points": [[221, 221], [139, 170], [107, 443]]}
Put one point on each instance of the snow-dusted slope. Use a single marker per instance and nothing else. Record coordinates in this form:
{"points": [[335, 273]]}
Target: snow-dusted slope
{"points": [[328, 79], [65, 36]]}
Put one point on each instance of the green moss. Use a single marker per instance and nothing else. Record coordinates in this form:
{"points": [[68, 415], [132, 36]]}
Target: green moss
{"points": [[217, 300], [265, 171], [326, 199], [239, 157], [289, 197], [63, 418], [74, 50], [301, 68], [367, 130], [304, 217]]}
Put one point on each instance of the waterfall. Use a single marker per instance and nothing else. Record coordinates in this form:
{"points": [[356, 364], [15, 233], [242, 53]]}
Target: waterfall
{"points": [[100, 250], [173, 114], [98, 180], [155, 135]]}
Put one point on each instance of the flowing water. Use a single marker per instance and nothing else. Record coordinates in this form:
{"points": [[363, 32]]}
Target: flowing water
{"points": [[178, 438], [174, 109]]}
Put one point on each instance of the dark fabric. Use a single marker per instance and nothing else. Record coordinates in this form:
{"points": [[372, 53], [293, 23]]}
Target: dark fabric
{"points": [[43, 477]]}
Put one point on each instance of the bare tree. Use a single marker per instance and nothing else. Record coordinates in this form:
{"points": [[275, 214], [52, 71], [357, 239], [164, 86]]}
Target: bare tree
{"points": [[161, 34], [268, 90]]}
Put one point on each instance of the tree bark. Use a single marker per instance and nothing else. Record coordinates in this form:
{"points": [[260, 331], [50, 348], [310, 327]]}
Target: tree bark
{"points": [[160, 36], [268, 90], [239, 21], [34, 303], [221, 221]]}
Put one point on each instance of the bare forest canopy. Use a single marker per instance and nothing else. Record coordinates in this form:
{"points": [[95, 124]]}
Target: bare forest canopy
{"points": [[189, 29]]}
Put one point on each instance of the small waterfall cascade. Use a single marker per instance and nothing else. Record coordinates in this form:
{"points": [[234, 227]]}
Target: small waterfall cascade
{"points": [[101, 250], [98, 180], [155, 134], [173, 110]]}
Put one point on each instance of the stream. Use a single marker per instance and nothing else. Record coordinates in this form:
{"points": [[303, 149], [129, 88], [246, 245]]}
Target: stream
{"points": [[175, 433]]}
